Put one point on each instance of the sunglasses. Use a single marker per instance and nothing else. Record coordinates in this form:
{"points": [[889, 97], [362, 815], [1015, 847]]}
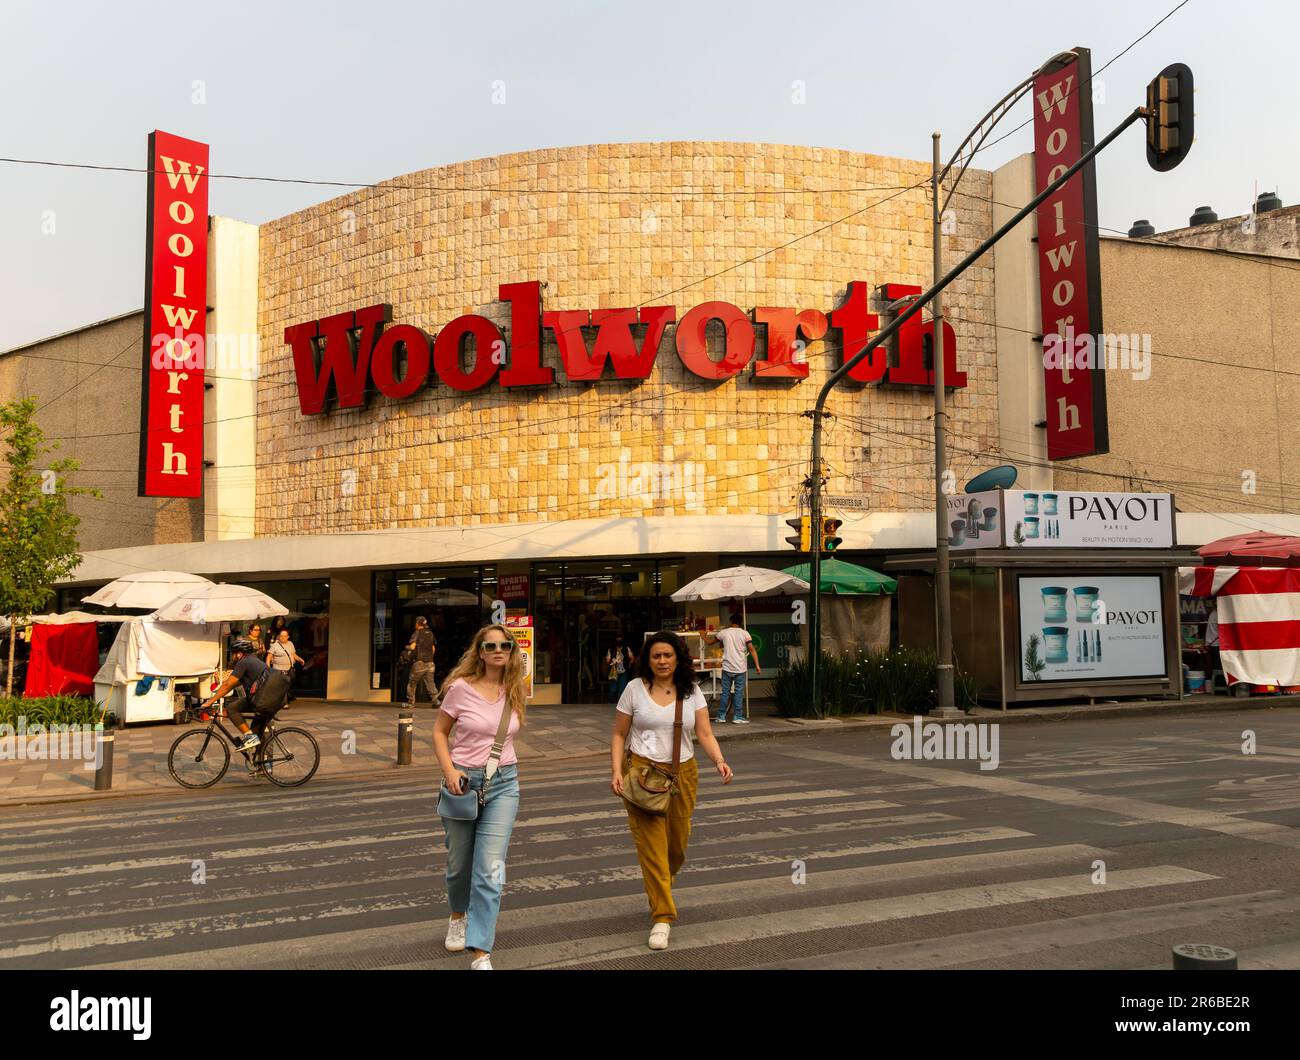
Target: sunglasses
{"points": [[491, 645]]}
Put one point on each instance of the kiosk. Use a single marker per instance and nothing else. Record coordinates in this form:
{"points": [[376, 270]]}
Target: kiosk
{"points": [[1072, 611]]}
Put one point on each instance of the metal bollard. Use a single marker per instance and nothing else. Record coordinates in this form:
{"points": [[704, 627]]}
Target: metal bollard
{"points": [[405, 726], [1203, 956], [104, 754]]}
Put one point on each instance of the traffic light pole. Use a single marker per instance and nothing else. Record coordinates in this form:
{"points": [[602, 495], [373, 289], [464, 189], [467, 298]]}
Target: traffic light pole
{"points": [[945, 706], [818, 411]]}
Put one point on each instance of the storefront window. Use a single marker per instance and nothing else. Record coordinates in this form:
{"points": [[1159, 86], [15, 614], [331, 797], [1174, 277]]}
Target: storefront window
{"points": [[308, 623], [582, 609], [455, 602]]}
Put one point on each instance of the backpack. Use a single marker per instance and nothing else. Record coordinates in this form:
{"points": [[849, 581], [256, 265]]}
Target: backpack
{"points": [[272, 690]]}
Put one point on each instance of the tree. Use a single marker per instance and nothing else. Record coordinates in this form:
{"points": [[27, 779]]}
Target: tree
{"points": [[38, 535]]}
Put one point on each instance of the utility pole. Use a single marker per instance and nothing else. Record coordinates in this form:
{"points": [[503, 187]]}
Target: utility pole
{"points": [[946, 706], [815, 561]]}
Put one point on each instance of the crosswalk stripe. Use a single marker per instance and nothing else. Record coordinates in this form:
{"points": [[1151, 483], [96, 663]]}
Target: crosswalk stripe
{"points": [[624, 945], [1124, 806], [250, 806], [629, 871], [698, 896], [976, 947]]}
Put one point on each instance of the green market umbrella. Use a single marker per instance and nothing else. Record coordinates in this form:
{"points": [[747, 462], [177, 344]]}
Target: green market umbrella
{"points": [[846, 579]]}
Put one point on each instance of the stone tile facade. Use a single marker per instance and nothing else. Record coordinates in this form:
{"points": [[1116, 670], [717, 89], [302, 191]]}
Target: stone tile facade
{"points": [[614, 226]]}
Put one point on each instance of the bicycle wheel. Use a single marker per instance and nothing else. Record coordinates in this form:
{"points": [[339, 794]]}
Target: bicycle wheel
{"points": [[198, 758], [288, 757]]}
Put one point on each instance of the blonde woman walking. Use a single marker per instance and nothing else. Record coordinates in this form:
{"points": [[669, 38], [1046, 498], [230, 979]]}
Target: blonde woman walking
{"points": [[483, 690], [661, 700]]}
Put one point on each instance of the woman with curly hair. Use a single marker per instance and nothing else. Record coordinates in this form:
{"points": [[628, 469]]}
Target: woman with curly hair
{"points": [[488, 680], [647, 716]]}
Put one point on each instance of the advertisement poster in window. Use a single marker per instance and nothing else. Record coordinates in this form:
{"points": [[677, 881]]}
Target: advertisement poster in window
{"points": [[521, 628], [1083, 627]]}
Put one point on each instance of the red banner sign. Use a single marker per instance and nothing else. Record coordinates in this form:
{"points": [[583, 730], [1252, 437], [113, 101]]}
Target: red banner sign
{"points": [[341, 358], [175, 319], [1069, 273]]}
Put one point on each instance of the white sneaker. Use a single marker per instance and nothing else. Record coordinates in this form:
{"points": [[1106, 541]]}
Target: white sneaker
{"points": [[481, 964], [739, 721], [659, 936], [456, 934]]}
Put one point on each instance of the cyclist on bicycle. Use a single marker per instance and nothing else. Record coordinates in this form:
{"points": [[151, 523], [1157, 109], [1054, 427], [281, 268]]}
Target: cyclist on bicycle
{"points": [[248, 672]]}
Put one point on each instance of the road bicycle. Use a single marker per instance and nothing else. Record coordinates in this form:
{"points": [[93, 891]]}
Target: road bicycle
{"points": [[287, 756]]}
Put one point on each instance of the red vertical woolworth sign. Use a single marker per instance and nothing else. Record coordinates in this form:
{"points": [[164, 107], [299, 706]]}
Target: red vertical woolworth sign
{"points": [[1069, 273], [175, 318]]}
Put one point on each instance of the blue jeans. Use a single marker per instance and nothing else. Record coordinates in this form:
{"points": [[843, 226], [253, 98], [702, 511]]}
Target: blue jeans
{"points": [[617, 686], [729, 682], [476, 855]]}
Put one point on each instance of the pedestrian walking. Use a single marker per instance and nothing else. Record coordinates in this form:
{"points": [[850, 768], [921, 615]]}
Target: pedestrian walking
{"points": [[423, 647], [483, 700], [652, 754], [735, 669], [618, 668], [282, 657]]}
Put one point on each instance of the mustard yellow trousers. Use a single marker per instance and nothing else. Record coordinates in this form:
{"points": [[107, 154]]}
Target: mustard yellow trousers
{"points": [[661, 841]]}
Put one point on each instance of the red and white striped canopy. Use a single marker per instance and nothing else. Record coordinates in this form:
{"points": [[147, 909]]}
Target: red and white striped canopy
{"points": [[1259, 620]]}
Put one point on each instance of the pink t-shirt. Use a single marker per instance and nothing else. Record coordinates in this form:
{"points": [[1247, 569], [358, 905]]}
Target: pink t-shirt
{"points": [[476, 726]]}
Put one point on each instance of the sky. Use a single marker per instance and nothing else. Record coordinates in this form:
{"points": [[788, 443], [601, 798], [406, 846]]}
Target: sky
{"points": [[369, 91]]}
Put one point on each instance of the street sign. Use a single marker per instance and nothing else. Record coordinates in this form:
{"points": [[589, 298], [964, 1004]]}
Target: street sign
{"points": [[849, 504]]}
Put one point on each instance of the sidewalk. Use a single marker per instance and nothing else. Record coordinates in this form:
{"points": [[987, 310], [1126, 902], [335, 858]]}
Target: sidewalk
{"points": [[552, 733]]}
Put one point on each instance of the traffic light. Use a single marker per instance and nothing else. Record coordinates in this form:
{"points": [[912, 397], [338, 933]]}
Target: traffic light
{"points": [[829, 529], [802, 539], [1169, 118]]}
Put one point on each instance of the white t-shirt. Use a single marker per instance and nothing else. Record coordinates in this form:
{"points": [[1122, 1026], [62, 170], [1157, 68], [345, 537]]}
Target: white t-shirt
{"points": [[733, 640], [652, 724]]}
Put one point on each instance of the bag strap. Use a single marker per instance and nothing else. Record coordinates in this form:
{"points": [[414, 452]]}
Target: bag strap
{"points": [[498, 744], [677, 736]]}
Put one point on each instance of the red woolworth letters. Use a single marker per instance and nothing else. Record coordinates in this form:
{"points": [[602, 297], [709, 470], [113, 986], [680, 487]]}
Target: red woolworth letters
{"points": [[337, 359]]}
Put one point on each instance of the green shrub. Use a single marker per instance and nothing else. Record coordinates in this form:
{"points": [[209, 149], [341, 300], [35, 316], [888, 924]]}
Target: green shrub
{"points": [[872, 681], [51, 710]]}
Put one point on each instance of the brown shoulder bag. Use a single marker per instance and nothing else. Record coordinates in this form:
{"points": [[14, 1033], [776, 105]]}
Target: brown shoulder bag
{"points": [[650, 787]]}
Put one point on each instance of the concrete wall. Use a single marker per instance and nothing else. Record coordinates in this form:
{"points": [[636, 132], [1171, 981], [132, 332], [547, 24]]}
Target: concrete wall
{"points": [[230, 405], [350, 632], [87, 383], [1219, 408], [689, 229], [1019, 320], [1275, 232]]}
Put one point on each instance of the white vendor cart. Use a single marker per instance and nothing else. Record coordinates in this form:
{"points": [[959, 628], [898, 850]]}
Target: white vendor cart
{"points": [[152, 665]]}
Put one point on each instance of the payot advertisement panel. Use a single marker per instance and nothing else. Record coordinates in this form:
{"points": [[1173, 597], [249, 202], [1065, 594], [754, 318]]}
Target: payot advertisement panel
{"points": [[975, 520], [1091, 627], [1069, 519]]}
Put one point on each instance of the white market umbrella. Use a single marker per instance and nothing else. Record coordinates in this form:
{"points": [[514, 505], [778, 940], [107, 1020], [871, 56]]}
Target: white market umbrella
{"points": [[219, 603], [151, 588], [742, 581]]}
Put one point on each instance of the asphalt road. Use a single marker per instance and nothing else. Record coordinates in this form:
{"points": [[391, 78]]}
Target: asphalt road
{"points": [[824, 853]]}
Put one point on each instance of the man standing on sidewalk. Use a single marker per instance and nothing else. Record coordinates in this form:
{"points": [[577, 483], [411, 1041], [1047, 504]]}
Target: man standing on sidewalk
{"points": [[423, 644], [734, 640]]}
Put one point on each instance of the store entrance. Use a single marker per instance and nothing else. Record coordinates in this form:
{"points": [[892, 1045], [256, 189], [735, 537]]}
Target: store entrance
{"points": [[583, 608]]}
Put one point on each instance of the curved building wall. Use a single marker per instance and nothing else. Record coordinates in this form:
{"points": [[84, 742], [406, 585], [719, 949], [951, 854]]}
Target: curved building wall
{"points": [[613, 226]]}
